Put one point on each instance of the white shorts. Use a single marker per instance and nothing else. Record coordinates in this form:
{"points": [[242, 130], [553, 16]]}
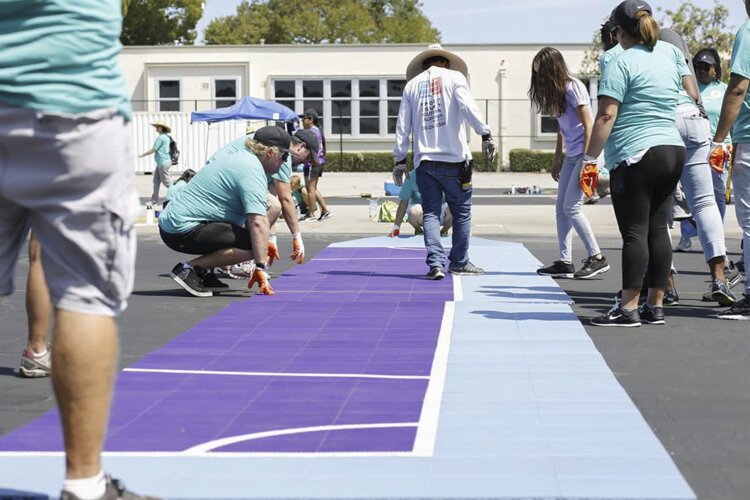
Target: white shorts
{"points": [[70, 178]]}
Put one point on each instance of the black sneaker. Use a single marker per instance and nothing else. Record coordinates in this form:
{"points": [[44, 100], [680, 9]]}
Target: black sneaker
{"points": [[115, 491], [740, 311], [558, 269], [592, 267], [435, 273], [721, 293], [325, 215], [308, 218], [740, 265], [617, 316], [210, 281], [651, 315], [671, 298], [188, 279], [467, 269]]}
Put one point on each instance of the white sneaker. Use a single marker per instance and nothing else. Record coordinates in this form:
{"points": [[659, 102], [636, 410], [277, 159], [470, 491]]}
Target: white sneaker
{"points": [[35, 367], [683, 245], [243, 269]]}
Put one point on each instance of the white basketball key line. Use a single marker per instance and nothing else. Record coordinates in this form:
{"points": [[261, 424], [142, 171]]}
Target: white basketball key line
{"points": [[281, 374]]}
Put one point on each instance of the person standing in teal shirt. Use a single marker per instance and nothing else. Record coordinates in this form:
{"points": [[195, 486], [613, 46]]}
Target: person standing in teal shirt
{"points": [[160, 150], [636, 120], [735, 116], [67, 173]]}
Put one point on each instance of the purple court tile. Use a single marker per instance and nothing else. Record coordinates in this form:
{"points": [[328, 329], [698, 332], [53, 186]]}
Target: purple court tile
{"points": [[353, 318]]}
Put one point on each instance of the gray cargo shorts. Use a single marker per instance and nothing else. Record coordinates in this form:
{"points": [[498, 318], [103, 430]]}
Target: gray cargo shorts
{"points": [[70, 177]]}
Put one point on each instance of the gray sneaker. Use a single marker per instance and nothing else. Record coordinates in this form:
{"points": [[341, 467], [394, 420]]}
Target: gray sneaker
{"points": [[35, 367], [592, 267], [467, 269], [188, 279], [721, 293], [435, 273], [115, 491]]}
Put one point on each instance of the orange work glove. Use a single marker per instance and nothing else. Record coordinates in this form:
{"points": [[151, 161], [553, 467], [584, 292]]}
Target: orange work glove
{"points": [[395, 231], [299, 248], [260, 276], [589, 176], [719, 156], [273, 251]]}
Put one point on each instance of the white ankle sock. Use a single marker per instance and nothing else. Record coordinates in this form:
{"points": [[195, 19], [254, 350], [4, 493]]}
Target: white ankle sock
{"points": [[89, 488]]}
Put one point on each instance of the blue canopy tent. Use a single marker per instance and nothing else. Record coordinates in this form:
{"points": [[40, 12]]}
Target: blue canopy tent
{"points": [[247, 108]]}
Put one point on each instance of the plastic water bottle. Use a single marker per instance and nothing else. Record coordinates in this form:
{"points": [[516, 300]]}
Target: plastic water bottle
{"points": [[149, 215], [374, 209]]}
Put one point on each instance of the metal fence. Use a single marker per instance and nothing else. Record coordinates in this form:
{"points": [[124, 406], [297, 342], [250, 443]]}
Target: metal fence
{"points": [[513, 121]]}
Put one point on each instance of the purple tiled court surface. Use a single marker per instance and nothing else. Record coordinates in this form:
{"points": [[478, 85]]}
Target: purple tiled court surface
{"points": [[360, 379]]}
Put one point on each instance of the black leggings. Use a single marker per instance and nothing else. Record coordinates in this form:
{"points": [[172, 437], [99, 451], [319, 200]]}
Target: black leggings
{"points": [[642, 198], [208, 237]]}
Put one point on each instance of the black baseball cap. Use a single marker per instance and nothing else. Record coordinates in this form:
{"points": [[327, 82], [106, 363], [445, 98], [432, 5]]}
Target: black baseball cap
{"points": [[311, 140], [626, 11], [273, 136], [312, 113]]}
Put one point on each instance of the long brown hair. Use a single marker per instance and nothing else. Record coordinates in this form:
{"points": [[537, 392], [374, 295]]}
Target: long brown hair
{"points": [[547, 90]]}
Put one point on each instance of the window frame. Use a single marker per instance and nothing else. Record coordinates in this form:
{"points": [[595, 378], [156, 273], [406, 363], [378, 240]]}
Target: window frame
{"points": [[160, 99], [237, 86], [328, 102]]}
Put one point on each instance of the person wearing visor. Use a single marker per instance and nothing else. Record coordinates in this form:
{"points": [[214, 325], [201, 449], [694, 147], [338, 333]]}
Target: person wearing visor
{"points": [[434, 107], [221, 215], [635, 124], [304, 148]]}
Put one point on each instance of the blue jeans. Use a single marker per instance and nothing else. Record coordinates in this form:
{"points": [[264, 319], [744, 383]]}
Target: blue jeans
{"points": [[435, 179], [687, 229], [697, 182]]}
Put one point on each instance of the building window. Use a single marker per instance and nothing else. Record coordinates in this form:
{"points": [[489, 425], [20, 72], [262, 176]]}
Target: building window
{"points": [[395, 90], [169, 95], [354, 106], [341, 106], [225, 92], [547, 126]]}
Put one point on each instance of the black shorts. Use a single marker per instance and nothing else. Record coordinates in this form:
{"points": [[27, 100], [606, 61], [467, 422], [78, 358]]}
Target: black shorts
{"points": [[313, 171], [207, 237]]}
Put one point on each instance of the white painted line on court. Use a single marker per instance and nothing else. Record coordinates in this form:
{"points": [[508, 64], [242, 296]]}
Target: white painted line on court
{"points": [[277, 374], [424, 443], [221, 454], [458, 290], [220, 443]]}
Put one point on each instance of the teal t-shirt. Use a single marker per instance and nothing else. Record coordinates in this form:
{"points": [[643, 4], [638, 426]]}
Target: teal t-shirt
{"points": [[61, 56], [174, 190], [409, 190], [161, 150], [285, 171], [226, 189], [647, 84], [712, 96], [741, 66], [608, 56]]}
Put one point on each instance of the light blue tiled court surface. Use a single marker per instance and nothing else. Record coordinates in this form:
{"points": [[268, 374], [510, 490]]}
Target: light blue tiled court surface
{"points": [[528, 409]]}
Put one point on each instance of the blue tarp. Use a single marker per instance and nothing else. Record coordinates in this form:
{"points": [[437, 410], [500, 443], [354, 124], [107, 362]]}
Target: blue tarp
{"points": [[248, 108]]}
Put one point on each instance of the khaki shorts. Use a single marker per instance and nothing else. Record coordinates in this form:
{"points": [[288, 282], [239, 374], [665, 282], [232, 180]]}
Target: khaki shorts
{"points": [[70, 178]]}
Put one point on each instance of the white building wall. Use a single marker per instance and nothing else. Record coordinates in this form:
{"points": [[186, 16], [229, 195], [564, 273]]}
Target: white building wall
{"points": [[499, 77]]}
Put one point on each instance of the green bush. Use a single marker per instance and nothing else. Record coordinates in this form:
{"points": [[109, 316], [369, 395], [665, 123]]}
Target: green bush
{"points": [[526, 160], [383, 162]]}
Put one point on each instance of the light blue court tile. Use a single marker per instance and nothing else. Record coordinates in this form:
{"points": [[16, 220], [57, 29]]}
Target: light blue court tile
{"points": [[485, 466], [651, 488], [599, 407], [579, 377], [507, 366], [518, 392], [592, 393], [631, 420], [479, 448], [373, 486], [612, 446], [613, 467], [450, 418], [485, 406], [496, 486], [488, 430], [354, 466]]}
